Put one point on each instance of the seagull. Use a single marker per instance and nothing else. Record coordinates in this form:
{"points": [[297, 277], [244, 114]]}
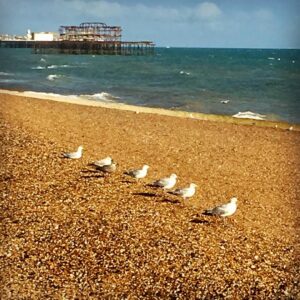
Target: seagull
{"points": [[74, 155], [139, 173], [167, 182], [186, 192], [107, 168], [224, 210], [102, 162]]}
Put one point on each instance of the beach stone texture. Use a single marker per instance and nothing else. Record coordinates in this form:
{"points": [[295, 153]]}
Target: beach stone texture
{"points": [[70, 232]]}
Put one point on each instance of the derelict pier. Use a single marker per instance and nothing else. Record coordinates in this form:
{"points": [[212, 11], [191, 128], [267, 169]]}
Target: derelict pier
{"points": [[87, 38]]}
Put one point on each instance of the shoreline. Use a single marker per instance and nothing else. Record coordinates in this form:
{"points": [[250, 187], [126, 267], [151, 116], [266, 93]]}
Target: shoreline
{"points": [[75, 99]]}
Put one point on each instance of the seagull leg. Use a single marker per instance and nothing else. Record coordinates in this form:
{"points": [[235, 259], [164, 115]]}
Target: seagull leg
{"points": [[224, 221]]}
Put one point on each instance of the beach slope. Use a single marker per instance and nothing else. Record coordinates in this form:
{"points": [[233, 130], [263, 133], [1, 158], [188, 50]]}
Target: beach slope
{"points": [[70, 232]]}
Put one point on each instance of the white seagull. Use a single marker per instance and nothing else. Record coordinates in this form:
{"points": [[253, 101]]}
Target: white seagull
{"points": [[102, 162], [224, 210], [139, 173], [74, 155], [107, 168], [167, 182], [186, 192]]}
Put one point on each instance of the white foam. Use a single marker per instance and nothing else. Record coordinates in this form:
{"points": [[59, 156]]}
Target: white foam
{"points": [[272, 58], [6, 74], [38, 68], [225, 101], [11, 80], [58, 66], [249, 115], [184, 73], [101, 96], [44, 95], [52, 67], [53, 77], [43, 60]]}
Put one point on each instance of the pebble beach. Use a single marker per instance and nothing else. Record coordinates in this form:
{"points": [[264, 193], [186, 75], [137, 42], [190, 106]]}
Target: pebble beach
{"points": [[69, 232]]}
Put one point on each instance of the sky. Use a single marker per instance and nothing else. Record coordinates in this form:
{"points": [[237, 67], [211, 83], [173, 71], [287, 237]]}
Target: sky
{"points": [[175, 23]]}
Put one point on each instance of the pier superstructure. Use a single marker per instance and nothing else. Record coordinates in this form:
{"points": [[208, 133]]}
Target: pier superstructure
{"points": [[88, 31], [87, 38]]}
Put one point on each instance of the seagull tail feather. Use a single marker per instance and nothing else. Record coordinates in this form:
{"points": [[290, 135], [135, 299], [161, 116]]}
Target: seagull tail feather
{"points": [[173, 192]]}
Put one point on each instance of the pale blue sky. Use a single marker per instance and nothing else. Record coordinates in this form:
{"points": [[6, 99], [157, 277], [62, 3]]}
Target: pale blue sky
{"points": [[189, 23]]}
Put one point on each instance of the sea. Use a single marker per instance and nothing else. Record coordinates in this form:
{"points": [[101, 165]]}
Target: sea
{"points": [[252, 83]]}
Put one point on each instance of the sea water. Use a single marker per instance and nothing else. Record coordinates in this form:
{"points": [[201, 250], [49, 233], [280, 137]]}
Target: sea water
{"points": [[257, 83]]}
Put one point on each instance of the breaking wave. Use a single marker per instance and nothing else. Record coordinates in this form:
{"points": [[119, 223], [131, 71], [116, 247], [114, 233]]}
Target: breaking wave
{"points": [[41, 94], [11, 80], [184, 73], [6, 74], [101, 97], [58, 66], [38, 68], [53, 77], [105, 97], [249, 115]]}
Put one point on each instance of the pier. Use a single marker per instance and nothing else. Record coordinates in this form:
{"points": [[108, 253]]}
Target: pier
{"points": [[87, 38], [94, 47]]}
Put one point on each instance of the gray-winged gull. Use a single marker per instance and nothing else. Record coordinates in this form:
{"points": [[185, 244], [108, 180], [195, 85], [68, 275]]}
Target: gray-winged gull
{"points": [[139, 173], [167, 182], [102, 162], [224, 210], [107, 168], [186, 192]]}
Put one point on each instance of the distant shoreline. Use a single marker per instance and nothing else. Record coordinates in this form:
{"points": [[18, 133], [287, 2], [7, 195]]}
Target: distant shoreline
{"points": [[74, 99]]}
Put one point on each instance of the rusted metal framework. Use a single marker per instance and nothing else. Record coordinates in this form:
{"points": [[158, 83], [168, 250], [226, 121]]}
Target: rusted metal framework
{"points": [[94, 47], [91, 31], [83, 47], [87, 38]]}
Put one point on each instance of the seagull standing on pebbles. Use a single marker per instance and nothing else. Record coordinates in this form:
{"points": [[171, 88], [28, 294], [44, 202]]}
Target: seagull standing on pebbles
{"points": [[102, 162], [224, 210], [74, 155], [107, 168], [139, 173], [186, 192], [167, 182]]}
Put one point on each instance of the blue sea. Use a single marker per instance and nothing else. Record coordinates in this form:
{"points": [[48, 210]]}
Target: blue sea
{"points": [[265, 82]]}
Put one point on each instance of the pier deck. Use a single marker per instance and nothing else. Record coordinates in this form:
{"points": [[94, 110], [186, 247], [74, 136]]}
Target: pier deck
{"points": [[83, 47]]}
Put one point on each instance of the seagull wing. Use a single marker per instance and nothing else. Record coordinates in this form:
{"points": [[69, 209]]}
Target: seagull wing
{"points": [[180, 191], [220, 210], [69, 155], [162, 182]]}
